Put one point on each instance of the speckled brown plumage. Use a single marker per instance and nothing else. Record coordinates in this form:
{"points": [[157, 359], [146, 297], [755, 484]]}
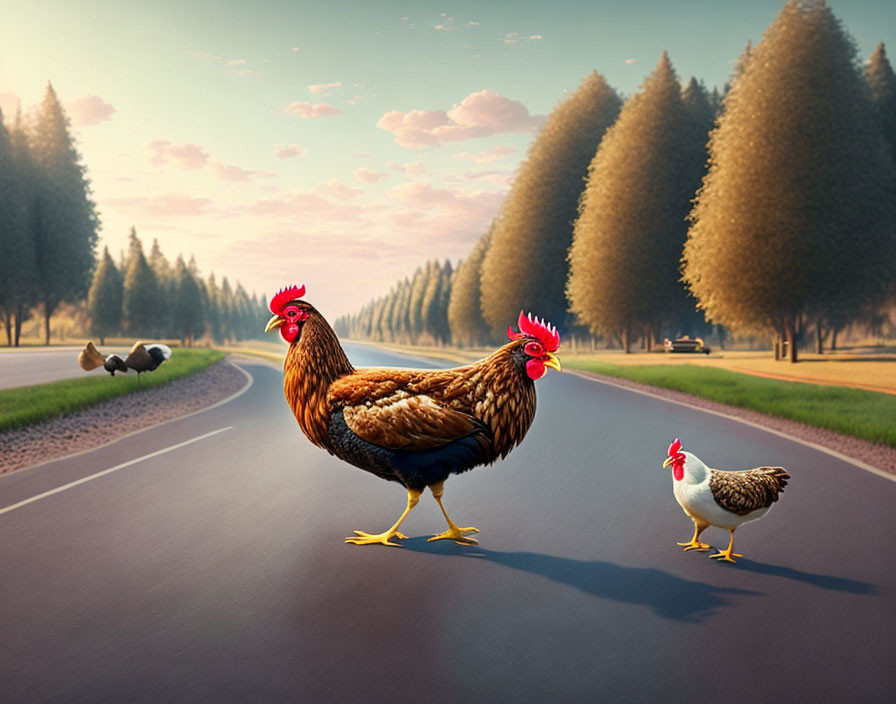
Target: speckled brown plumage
{"points": [[747, 491], [404, 409]]}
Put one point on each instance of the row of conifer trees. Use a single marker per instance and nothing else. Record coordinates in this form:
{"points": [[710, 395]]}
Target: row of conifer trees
{"points": [[148, 296], [48, 236], [768, 209]]}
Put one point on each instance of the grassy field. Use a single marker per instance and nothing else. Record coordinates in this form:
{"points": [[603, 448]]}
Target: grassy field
{"points": [[25, 405], [864, 414]]}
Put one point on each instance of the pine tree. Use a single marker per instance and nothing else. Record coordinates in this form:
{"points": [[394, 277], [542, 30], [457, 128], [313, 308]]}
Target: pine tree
{"points": [[164, 303], [415, 306], [465, 319], [23, 293], [105, 299], [66, 220], [140, 291], [795, 215], [187, 308], [12, 230], [526, 265], [882, 82], [225, 308], [430, 308], [631, 228], [213, 313]]}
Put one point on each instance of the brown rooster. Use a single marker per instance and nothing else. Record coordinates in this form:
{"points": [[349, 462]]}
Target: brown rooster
{"points": [[416, 427]]}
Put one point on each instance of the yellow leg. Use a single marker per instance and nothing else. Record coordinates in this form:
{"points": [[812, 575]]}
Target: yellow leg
{"points": [[362, 538], [453, 533], [694, 543], [729, 554]]}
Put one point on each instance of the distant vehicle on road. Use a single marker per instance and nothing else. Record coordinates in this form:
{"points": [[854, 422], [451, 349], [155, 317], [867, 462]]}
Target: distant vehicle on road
{"points": [[685, 344]]}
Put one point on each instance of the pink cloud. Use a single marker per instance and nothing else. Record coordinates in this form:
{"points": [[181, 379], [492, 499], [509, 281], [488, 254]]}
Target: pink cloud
{"points": [[229, 172], [187, 156], [411, 168], [89, 110], [291, 152], [338, 190], [497, 154], [478, 115], [323, 88], [161, 206], [365, 175], [308, 111]]}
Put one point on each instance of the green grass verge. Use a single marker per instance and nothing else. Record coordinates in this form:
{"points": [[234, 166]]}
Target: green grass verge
{"points": [[863, 414], [25, 405]]}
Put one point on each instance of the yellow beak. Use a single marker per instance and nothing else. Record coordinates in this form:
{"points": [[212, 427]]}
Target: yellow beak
{"points": [[668, 461], [274, 322], [552, 361]]}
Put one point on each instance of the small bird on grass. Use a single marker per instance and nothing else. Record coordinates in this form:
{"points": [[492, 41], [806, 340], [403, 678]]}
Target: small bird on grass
{"points": [[724, 499], [141, 358]]}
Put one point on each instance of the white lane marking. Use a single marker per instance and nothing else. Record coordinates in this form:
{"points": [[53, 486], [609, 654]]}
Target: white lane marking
{"points": [[90, 478], [815, 446]]}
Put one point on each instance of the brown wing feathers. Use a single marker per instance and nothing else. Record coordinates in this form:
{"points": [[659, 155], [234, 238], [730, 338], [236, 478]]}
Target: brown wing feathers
{"points": [[747, 491], [90, 358]]}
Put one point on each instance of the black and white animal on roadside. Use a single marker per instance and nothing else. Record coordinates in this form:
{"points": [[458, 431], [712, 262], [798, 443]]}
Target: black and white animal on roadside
{"points": [[141, 358]]}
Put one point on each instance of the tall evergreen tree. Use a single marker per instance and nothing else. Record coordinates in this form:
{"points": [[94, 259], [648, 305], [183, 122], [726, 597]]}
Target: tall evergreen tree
{"points": [[24, 283], [795, 215], [166, 290], [140, 291], [105, 299], [187, 308], [632, 223], [225, 308], [66, 220], [430, 308], [464, 312], [526, 266], [12, 230], [882, 82], [415, 310], [213, 314]]}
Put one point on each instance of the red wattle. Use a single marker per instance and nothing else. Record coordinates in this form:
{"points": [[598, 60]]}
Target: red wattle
{"points": [[535, 369], [678, 472]]}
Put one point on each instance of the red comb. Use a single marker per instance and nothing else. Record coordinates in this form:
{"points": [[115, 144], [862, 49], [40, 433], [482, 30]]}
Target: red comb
{"points": [[539, 329], [284, 296], [674, 447]]}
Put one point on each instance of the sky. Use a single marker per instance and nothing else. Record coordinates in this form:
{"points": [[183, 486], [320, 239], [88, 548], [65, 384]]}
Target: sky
{"points": [[341, 144]]}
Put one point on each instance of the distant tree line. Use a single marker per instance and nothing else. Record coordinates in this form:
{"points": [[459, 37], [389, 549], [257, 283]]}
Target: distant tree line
{"points": [[48, 236], [149, 297], [768, 209], [414, 312]]}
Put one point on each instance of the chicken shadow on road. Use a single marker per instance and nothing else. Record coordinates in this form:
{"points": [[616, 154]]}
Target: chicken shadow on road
{"points": [[667, 595], [823, 581]]}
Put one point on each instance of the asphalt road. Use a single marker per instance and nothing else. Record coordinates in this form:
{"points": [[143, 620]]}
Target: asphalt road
{"points": [[26, 366], [216, 571]]}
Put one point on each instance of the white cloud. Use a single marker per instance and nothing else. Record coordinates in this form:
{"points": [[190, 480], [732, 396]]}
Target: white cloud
{"points": [[478, 115], [187, 156], [365, 175], [631, 61], [307, 111], [89, 110], [323, 88], [291, 152], [296, 49], [535, 36]]}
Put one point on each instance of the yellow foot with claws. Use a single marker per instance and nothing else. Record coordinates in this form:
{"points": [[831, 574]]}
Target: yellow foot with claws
{"points": [[695, 545], [457, 535], [362, 538], [725, 556]]}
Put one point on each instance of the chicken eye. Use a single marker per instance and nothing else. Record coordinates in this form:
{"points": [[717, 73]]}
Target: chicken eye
{"points": [[291, 314], [533, 349]]}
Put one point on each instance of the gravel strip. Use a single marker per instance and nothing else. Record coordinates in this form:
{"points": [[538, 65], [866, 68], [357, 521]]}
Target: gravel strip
{"points": [[882, 457], [122, 415]]}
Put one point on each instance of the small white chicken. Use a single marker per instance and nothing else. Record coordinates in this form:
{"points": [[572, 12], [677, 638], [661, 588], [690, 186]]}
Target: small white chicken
{"points": [[724, 499]]}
